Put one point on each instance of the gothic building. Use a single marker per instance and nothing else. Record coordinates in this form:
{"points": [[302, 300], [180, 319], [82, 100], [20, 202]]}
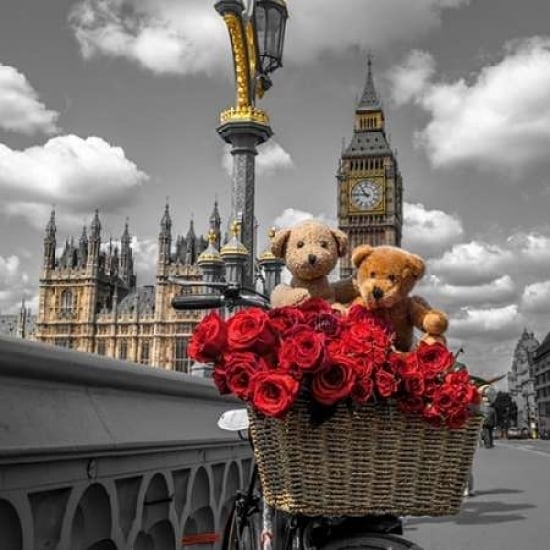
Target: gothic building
{"points": [[370, 187], [89, 299], [541, 371], [521, 379]]}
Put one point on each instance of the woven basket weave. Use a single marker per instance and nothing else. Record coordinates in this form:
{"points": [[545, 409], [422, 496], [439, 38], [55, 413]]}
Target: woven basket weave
{"points": [[373, 461]]}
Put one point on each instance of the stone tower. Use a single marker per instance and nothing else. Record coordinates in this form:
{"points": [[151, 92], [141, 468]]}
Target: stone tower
{"points": [[370, 187]]}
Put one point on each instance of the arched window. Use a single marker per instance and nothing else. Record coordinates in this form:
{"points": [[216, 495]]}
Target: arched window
{"points": [[180, 358], [67, 302], [123, 350], [145, 352], [101, 347]]}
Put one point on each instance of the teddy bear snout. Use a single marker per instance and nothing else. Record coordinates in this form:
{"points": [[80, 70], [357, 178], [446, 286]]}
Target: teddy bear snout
{"points": [[377, 293], [312, 258]]}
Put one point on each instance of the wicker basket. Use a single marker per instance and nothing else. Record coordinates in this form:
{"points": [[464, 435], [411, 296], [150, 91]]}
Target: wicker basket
{"points": [[373, 461]]}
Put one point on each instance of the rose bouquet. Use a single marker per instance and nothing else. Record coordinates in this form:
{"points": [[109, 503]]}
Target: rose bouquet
{"points": [[269, 359]]}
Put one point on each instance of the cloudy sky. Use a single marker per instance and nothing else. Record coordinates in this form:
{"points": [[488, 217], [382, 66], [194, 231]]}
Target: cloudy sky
{"points": [[113, 104]]}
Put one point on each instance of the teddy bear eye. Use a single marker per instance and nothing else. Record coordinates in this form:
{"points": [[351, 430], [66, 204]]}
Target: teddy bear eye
{"points": [[372, 274], [392, 277], [324, 244], [300, 244]]}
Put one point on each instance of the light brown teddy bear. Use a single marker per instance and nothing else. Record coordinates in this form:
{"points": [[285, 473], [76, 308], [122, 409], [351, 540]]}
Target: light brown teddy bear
{"points": [[385, 277], [310, 250]]}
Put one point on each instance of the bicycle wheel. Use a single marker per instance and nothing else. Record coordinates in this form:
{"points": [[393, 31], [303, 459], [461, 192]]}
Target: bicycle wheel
{"points": [[371, 541], [248, 538]]}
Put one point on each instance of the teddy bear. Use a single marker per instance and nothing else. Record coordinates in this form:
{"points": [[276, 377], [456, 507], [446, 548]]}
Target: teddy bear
{"points": [[385, 277], [310, 250]]}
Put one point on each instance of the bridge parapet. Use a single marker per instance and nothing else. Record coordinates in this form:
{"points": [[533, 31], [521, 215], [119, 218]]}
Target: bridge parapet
{"points": [[98, 454]]}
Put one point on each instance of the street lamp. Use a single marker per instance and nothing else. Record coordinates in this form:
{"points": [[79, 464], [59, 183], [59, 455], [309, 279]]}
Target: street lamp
{"points": [[256, 29]]}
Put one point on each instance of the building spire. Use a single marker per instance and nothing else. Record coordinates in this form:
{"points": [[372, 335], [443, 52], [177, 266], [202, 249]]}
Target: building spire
{"points": [[50, 227], [369, 99]]}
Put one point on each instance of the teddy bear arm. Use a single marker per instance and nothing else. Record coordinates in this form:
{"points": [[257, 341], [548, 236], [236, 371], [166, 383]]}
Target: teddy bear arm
{"points": [[425, 318], [345, 290], [283, 295]]}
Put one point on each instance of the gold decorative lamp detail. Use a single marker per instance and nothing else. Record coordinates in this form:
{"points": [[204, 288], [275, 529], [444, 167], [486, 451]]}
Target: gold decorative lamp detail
{"points": [[257, 30]]}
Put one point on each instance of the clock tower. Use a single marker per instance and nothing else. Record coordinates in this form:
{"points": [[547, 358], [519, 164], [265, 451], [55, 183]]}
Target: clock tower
{"points": [[370, 188]]}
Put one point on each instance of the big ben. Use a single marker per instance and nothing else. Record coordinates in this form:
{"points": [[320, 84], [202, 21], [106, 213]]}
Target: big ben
{"points": [[370, 187]]}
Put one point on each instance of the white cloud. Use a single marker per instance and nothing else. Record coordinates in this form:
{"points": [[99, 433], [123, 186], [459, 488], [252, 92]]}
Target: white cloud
{"points": [[169, 36], [472, 263], [489, 324], [270, 159], [292, 216], [81, 173], [500, 291], [145, 252], [429, 232], [536, 298], [20, 108], [409, 80], [500, 119], [15, 284]]}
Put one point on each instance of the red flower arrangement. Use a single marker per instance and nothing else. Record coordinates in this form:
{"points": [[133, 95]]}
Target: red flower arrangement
{"points": [[270, 358]]}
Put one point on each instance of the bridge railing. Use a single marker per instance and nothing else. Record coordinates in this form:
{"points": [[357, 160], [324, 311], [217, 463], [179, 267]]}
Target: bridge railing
{"points": [[98, 454]]}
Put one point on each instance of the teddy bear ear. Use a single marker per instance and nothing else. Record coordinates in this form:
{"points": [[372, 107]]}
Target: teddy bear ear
{"points": [[360, 253], [278, 244], [341, 241], [416, 265]]}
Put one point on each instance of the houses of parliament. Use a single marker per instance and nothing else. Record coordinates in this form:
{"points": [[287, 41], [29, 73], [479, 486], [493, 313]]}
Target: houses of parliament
{"points": [[89, 300]]}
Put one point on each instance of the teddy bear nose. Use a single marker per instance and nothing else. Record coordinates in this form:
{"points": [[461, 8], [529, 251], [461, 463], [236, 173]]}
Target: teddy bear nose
{"points": [[312, 259], [377, 293]]}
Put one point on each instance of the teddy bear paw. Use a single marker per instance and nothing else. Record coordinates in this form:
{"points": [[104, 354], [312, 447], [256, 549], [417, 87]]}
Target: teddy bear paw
{"points": [[283, 296], [435, 323]]}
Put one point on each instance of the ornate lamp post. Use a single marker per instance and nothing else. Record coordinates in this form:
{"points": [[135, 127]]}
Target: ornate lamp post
{"points": [[256, 29]]}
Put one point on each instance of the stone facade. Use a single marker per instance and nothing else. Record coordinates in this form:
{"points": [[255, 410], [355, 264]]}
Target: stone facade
{"points": [[370, 186], [521, 380], [541, 368]]}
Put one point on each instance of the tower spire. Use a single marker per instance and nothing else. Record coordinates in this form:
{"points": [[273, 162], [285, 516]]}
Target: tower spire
{"points": [[369, 99]]}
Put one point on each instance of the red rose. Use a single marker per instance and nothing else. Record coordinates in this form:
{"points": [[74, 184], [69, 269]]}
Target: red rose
{"points": [[209, 339], [330, 324], [360, 314], [444, 398], [414, 384], [397, 363], [273, 393], [362, 390], [314, 306], [239, 369], [434, 358], [386, 383], [362, 339], [284, 318], [432, 415], [250, 330], [218, 375], [334, 382], [457, 419], [302, 350], [411, 405]]}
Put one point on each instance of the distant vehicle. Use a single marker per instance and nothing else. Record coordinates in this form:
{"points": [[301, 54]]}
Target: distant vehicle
{"points": [[517, 433]]}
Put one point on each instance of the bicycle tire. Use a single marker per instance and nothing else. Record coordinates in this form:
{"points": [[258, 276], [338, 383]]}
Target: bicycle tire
{"points": [[249, 539], [371, 541]]}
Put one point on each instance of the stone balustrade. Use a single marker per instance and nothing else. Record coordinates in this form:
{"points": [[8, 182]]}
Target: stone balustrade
{"points": [[98, 454]]}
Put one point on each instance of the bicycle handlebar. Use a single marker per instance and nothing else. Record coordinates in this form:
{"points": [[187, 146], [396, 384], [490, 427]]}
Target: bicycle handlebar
{"points": [[209, 301]]}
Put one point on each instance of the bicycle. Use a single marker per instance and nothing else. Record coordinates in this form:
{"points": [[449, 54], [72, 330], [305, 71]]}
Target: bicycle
{"points": [[252, 523]]}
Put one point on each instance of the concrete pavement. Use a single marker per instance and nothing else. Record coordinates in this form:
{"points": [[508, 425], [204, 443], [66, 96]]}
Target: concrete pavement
{"points": [[511, 508]]}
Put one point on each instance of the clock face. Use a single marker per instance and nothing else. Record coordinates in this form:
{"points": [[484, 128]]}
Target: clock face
{"points": [[366, 194]]}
